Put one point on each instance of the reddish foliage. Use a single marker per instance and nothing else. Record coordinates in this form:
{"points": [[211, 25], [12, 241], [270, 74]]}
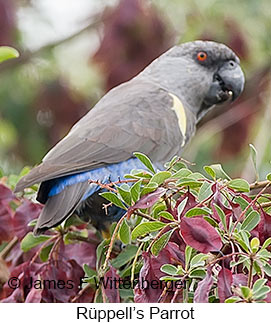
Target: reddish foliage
{"points": [[6, 196], [151, 272], [24, 214], [137, 33], [190, 203], [224, 283], [112, 294], [147, 200], [204, 287], [199, 234], [7, 22], [58, 108]]}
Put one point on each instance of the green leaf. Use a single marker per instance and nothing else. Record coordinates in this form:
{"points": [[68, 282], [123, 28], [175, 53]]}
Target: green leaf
{"points": [[7, 52], [126, 255], [211, 221], [268, 177], [243, 240], [145, 161], [266, 243], [125, 232], [209, 170], [124, 192], [254, 244], [221, 215], [160, 243], [258, 285], [111, 197], [148, 188], [246, 292], [198, 260], [172, 162], [160, 177], [267, 269], [188, 254], [159, 207], [262, 293], [135, 190], [233, 299], [205, 191], [187, 181], [197, 273], [32, 223], [146, 227], [253, 154], [169, 278], [196, 211], [181, 207], [44, 254], [101, 251], [89, 271], [251, 221], [169, 269], [183, 172], [30, 241], [239, 185], [166, 215], [219, 171]]}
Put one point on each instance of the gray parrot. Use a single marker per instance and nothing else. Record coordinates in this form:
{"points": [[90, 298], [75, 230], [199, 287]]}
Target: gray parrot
{"points": [[155, 113]]}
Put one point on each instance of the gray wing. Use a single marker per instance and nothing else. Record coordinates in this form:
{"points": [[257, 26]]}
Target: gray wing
{"points": [[135, 116]]}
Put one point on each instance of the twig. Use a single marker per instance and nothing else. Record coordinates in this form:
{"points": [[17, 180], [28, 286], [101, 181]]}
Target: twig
{"points": [[28, 55], [160, 234], [113, 238], [251, 204], [146, 216], [258, 185], [266, 204], [134, 262], [81, 292], [249, 281], [4, 253]]}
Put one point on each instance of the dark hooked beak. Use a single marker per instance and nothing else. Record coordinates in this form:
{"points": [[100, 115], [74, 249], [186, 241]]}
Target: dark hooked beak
{"points": [[228, 82]]}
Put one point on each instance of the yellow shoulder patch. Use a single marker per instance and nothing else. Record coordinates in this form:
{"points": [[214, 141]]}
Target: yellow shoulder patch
{"points": [[180, 112]]}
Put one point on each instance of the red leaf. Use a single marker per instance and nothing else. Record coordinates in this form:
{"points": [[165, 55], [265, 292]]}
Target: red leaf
{"points": [[23, 215], [6, 194], [25, 272], [239, 280], [151, 272], [224, 283], [147, 200], [82, 253], [112, 294], [203, 288], [200, 235], [66, 276], [34, 296], [6, 232], [191, 202]]}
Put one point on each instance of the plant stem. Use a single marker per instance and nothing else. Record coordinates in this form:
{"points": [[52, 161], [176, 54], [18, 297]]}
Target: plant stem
{"points": [[249, 282], [113, 238], [12, 243]]}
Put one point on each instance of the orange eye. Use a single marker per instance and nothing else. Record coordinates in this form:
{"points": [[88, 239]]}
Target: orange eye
{"points": [[201, 56]]}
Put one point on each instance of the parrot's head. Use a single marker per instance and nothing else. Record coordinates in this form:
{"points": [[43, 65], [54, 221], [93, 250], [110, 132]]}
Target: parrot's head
{"points": [[202, 74]]}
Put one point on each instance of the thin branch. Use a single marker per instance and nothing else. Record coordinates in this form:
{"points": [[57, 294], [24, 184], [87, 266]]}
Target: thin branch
{"points": [[258, 185], [5, 252], [28, 55]]}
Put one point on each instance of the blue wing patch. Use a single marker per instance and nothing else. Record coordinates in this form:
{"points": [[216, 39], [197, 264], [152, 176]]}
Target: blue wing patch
{"points": [[103, 174]]}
